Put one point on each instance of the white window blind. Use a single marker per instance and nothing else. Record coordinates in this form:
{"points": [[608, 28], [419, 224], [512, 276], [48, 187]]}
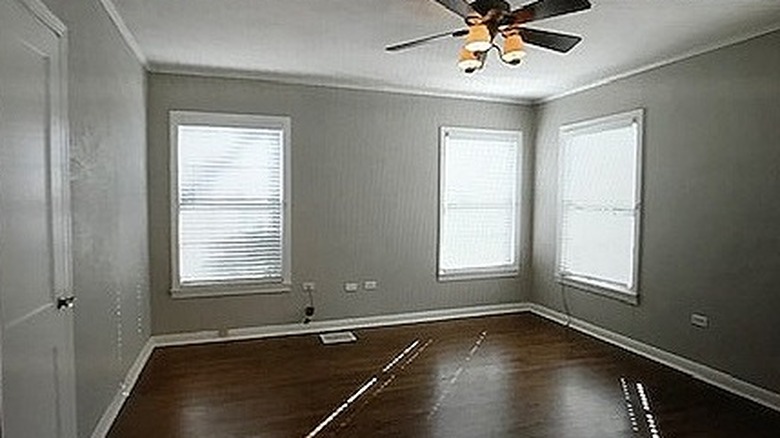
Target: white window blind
{"points": [[479, 199], [600, 202], [230, 199]]}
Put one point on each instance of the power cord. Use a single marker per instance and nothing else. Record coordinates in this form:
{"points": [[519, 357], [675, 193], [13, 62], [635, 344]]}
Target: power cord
{"points": [[309, 310]]}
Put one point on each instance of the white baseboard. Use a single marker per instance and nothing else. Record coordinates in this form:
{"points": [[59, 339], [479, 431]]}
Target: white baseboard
{"points": [[334, 325], [704, 373], [699, 371], [111, 412], [210, 336]]}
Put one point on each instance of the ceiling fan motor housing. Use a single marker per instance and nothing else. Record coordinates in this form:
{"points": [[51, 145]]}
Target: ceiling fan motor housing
{"points": [[482, 7], [487, 19], [492, 13]]}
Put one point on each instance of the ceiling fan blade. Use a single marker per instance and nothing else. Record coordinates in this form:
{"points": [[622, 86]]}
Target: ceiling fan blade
{"points": [[542, 9], [559, 42], [424, 40], [460, 7]]}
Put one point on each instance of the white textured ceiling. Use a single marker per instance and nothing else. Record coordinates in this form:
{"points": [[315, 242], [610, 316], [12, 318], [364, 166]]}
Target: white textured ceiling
{"points": [[341, 42]]}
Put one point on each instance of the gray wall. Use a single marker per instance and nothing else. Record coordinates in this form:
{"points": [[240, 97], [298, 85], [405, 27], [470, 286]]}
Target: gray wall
{"points": [[108, 183], [364, 200], [711, 238]]}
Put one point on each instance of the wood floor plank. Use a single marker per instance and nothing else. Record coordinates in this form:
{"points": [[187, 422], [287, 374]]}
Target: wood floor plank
{"points": [[506, 376]]}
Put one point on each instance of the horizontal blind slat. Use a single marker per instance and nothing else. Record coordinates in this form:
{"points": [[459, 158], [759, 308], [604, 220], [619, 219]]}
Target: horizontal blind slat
{"points": [[599, 205], [230, 203], [479, 200]]}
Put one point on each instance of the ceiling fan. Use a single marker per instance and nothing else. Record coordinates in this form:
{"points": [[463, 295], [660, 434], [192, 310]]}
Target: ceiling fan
{"points": [[486, 19]]}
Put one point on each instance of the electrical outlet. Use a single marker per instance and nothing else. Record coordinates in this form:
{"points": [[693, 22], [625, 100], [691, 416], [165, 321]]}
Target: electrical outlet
{"points": [[370, 285], [700, 320], [350, 287], [308, 286]]}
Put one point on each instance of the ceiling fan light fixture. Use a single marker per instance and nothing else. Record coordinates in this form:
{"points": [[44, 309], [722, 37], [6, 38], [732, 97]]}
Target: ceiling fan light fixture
{"points": [[514, 50], [468, 61], [478, 39]]}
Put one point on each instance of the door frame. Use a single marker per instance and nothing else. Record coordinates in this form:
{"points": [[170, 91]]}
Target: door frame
{"points": [[59, 161]]}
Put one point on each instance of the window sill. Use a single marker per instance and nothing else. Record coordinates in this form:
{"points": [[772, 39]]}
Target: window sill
{"points": [[465, 276], [212, 291], [623, 295]]}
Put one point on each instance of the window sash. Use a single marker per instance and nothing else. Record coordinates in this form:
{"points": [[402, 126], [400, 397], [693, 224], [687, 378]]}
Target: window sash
{"points": [[487, 250], [245, 222], [612, 215]]}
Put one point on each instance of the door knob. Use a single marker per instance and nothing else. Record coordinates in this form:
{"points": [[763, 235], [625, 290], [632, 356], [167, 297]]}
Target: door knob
{"points": [[66, 302]]}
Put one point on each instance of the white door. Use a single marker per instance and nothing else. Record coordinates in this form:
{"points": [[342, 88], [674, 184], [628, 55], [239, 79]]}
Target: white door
{"points": [[36, 343]]}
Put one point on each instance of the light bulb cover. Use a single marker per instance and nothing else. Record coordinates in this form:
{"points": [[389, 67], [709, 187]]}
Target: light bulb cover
{"points": [[514, 50], [469, 61], [478, 39]]}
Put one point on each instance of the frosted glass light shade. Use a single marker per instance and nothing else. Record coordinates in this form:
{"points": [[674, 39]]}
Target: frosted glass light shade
{"points": [[478, 39], [514, 50], [468, 61]]}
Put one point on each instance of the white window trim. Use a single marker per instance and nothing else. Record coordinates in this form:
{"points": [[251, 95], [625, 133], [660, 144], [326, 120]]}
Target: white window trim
{"points": [[227, 288], [479, 273], [600, 287]]}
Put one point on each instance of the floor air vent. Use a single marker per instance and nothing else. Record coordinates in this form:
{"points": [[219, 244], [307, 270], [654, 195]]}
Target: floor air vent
{"points": [[338, 338]]}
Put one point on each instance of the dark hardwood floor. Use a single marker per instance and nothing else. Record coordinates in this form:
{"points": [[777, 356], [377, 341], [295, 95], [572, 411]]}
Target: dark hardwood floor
{"points": [[507, 376]]}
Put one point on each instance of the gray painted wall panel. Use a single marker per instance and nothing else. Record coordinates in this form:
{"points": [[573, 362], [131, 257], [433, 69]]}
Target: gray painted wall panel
{"points": [[364, 204], [711, 240], [107, 105], [364, 200]]}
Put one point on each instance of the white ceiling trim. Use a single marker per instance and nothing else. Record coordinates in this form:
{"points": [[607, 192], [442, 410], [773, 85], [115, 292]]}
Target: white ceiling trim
{"points": [[130, 40], [323, 82], [43, 13], [335, 83], [368, 85], [664, 62]]}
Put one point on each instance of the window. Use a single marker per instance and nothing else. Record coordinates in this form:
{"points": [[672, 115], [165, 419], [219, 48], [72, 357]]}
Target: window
{"points": [[229, 203], [600, 205], [479, 203]]}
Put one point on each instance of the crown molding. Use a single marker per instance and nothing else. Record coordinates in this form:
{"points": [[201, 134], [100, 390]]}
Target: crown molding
{"points": [[326, 82], [334, 82], [701, 50], [124, 31], [43, 13]]}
